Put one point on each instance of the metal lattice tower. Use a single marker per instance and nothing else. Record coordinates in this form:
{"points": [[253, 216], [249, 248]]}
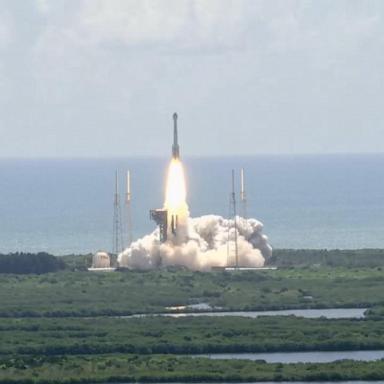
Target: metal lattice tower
{"points": [[232, 249], [117, 227], [128, 209], [243, 196]]}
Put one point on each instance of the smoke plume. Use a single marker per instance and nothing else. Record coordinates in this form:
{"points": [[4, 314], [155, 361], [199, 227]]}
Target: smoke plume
{"points": [[208, 241], [196, 243]]}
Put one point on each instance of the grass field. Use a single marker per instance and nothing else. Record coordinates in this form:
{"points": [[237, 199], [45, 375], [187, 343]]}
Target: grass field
{"points": [[124, 293]]}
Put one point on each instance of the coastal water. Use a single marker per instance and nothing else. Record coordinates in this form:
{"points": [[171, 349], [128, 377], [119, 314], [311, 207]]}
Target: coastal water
{"points": [[66, 206], [301, 357]]}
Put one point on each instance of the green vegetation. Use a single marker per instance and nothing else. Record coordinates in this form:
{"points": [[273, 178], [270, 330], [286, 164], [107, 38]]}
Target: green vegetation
{"points": [[25, 263], [123, 293], [77, 262], [72, 341], [186, 335], [328, 258], [158, 368], [375, 313]]}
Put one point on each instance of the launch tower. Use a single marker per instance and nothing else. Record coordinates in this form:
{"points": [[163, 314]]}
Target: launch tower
{"points": [[160, 217], [243, 196], [128, 209], [232, 249]]}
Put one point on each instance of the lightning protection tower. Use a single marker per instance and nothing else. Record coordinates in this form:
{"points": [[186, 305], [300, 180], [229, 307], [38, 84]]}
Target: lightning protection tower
{"points": [[128, 209], [243, 196], [232, 249], [117, 228]]}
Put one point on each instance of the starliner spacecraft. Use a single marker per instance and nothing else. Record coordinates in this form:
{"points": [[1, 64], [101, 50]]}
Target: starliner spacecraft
{"points": [[175, 146]]}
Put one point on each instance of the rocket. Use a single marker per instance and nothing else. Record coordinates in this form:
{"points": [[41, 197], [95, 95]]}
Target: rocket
{"points": [[175, 146]]}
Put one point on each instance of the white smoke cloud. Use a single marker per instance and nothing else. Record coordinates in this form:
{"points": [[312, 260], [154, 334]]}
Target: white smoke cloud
{"points": [[209, 238]]}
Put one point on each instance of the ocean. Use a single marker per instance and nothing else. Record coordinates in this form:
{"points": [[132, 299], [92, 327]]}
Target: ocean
{"points": [[65, 206]]}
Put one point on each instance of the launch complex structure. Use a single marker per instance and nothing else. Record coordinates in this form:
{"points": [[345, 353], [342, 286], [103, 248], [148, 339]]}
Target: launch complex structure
{"points": [[169, 224], [176, 229]]}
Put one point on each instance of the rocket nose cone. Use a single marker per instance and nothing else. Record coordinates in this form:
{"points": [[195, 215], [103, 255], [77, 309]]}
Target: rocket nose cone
{"points": [[175, 116]]}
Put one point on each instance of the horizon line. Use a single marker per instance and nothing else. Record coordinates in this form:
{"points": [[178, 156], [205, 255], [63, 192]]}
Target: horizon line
{"points": [[205, 156]]}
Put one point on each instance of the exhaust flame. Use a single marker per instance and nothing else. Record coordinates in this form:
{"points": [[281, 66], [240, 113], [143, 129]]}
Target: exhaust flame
{"points": [[175, 193], [176, 204]]}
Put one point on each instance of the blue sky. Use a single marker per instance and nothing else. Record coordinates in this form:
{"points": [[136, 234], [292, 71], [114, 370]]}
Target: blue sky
{"points": [[101, 78]]}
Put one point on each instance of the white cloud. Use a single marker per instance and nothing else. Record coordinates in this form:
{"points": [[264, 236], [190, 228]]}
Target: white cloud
{"points": [[322, 32], [165, 24], [286, 64], [44, 6], [132, 22], [6, 26]]}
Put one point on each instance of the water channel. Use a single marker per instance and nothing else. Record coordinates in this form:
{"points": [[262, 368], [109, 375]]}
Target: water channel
{"points": [[329, 313]]}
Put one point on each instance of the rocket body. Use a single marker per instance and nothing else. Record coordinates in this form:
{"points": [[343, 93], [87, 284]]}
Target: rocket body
{"points": [[175, 146]]}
